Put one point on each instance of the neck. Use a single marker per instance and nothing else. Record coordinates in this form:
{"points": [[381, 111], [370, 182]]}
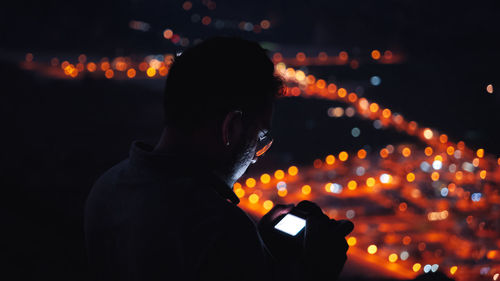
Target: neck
{"points": [[195, 146]]}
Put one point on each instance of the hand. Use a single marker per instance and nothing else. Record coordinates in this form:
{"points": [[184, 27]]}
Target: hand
{"points": [[319, 252], [281, 247], [325, 246]]}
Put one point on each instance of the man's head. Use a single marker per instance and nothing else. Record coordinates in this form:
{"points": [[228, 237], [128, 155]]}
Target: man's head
{"points": [[223, 91]]}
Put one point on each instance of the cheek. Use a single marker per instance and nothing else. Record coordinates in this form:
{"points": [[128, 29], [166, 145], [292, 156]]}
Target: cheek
{"points": [[246, 154]]}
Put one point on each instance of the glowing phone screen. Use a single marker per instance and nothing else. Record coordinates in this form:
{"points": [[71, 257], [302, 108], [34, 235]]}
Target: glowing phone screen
{"points": [[291, 224]]}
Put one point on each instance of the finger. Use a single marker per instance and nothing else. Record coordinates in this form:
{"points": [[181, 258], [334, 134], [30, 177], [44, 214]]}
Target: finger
{"points": [[276, 211], [343, 227], [309, 208]]}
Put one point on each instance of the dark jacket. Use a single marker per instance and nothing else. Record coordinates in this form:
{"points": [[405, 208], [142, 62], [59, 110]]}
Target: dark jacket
{"points": [[164, 217]]}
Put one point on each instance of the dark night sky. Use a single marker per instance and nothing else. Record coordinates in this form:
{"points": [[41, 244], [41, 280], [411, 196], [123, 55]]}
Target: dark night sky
{"points": [[450, 46]]}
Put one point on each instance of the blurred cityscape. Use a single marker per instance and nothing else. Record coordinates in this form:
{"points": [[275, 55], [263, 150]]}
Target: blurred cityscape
{"points": [[389, 120]]}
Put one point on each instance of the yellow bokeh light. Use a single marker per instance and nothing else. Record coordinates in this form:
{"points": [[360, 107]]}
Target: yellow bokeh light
{"points": [[372, 249], [410, 177], [265, 178], [374, 107], [342, 92], [406, 152], [239, 192], [370, 182], [450, 150], [279, 174], [282, 192], [438, 158], [482, 174], [330, 159], [306, 189], [351, 241], [480, 153], [250, 182], [363, 103], [293, 170], [151, 72], [416, 267], [393, 257], [253, 198], [352, 185], [386, 113], [343, 156], [268, 205], [428, 134], [290, 72], [453, 269], [300, 75], [435, 176]]}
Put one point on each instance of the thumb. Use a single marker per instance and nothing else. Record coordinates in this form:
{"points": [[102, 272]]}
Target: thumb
{"points": [[277, 211]]}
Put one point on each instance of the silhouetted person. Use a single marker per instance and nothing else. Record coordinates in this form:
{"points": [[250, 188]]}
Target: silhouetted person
{"points": [[168, 212]]}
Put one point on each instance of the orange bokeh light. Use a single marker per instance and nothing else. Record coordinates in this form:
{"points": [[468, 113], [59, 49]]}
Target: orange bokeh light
{"points": [[330, 159], [131, 73], [361, 154], [375, 54], [91, 67], [251, 182], [342, 92], [279, 174], [109, 73], [293, 170]]}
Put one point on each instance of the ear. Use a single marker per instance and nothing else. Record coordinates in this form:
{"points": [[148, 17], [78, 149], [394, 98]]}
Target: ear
{"points": [[232, 127]]}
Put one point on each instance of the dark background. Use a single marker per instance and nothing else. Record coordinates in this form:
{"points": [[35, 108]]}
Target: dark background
{"points": [[58, 136]]}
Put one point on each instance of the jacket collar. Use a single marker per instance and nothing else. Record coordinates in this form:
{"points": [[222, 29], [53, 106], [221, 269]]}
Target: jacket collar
{"points": [[141, 154]]}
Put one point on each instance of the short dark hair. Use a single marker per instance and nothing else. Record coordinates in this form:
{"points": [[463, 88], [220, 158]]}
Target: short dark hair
{"points": [[216, 76]]}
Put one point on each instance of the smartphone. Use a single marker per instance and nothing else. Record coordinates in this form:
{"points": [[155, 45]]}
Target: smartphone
{"points": [[291, 224]]}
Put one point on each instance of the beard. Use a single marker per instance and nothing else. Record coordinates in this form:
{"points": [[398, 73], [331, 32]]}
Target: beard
{"points": [[241, 157]]}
